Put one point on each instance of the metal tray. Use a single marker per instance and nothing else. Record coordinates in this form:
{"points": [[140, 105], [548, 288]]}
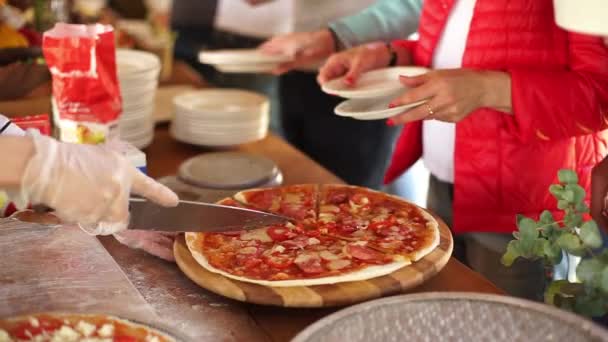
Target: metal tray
{"points": [[452, 317]]}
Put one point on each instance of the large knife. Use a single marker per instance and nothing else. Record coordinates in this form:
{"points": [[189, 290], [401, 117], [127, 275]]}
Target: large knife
{"points": [[190, 216]]}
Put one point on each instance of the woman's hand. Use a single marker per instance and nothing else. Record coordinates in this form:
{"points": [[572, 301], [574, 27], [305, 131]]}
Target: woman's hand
{"points": [[353, 62], [304, 47], [453, 94]]}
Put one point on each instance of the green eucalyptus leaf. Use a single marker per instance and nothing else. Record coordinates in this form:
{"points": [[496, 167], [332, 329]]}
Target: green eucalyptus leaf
{"points": [[556, 190], [571, 244], [572, 220], [566, 176], [552, 252], [546, 217], [568, 195], [604, 280], [562, 204], [590, 235], [603, 256], [512, 253], [589, 271], [527, 229], [518, 218], [582, 208], [578, 193], [590, 306]]}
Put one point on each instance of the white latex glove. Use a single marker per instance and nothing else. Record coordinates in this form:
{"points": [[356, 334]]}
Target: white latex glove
{"points": [[155, 243], [88, 184]]}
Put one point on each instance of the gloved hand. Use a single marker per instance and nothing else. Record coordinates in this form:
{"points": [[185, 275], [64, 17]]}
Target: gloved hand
{"points": [[155, 243], [88, 184]]}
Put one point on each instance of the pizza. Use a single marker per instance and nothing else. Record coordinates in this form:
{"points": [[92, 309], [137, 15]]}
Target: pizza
{"points": [[338, 233], [76, 327]]}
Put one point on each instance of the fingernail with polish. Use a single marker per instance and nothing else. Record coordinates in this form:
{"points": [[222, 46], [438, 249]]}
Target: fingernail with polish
{"points": [[390, 122], [392, 105], [349, 80]]}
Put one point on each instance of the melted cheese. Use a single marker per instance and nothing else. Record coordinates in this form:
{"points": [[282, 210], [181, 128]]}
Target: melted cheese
{"points": [[292, 198], [4, 337], [338, 264], [65, 334], [106, 330], [86, 329], [256, 234], [34, 322], [313, 241]]}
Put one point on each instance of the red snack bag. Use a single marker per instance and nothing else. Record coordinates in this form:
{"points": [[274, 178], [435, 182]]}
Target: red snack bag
{"points": [[40, 122], [86, 93]]}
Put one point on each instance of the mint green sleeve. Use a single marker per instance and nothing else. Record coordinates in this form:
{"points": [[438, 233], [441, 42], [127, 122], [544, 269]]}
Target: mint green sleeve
{"points": [[384, 20]]}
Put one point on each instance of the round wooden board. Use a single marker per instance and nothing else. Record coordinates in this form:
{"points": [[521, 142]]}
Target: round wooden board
{"points": [[320, 295]]}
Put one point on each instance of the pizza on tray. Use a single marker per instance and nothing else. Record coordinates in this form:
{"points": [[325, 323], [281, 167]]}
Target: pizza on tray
{"points": [[339, 233], [76, 327]]}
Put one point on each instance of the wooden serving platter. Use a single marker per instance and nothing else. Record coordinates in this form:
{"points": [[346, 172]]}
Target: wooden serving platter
{"points": [[319, 295]]}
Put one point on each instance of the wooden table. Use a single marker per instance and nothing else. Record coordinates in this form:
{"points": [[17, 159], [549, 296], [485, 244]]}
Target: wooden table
{"points": [[247, 321]]}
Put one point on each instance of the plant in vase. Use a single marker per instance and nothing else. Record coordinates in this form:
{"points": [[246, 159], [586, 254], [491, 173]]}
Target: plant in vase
{"points": [[549, 240]]}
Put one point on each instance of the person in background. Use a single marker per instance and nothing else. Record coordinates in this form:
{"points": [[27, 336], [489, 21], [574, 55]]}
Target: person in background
{"points": [[85, 184], [521, 100], [356, 151]]}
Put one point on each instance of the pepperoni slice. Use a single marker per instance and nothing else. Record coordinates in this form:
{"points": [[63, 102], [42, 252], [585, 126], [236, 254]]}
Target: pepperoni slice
{"points": [[337, 198], [296, 243], [279, 261], [364, 253], [252, 263], [278, 233], [295, 211], [309, 263], [262, 199]]}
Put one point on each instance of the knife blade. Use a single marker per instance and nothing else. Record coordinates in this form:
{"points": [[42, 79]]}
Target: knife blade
{"points": [[189, 216]]}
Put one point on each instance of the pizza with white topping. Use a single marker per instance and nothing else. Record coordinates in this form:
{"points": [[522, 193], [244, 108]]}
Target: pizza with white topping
{"points": [[76, 328], [338, 233]]}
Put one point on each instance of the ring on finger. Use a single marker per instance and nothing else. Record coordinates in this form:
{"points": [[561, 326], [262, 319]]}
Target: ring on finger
{"points": [[430, 111]]}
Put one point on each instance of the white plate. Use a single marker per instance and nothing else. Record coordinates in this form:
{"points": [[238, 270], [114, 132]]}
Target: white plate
{"points": [[247, 68], [240, 56], [178, 135], [222, 103], [132, 63], [377, 83], [372, 109]]}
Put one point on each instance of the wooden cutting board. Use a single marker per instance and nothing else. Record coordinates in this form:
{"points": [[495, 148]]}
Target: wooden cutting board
{"points": [[320, 295]]}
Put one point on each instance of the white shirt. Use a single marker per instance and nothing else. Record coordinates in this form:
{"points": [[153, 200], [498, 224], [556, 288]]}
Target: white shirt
{"points": [[438, 137], [282, 16]]}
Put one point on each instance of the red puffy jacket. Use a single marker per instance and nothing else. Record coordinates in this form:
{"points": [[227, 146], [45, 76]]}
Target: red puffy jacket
{"points": [[504, 163]]}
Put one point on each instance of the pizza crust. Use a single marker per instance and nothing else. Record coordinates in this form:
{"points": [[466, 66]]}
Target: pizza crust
{"points": [[192, 240]]}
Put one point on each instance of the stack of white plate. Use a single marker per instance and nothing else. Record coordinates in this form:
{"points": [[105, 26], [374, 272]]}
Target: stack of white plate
{"points": [[220, 117], [370, 96], [138, 77], [242, 60]]}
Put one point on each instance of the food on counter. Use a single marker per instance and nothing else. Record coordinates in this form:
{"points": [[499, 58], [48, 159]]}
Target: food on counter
{"points": [[83, 57], [76, 328], [339, 233]]}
